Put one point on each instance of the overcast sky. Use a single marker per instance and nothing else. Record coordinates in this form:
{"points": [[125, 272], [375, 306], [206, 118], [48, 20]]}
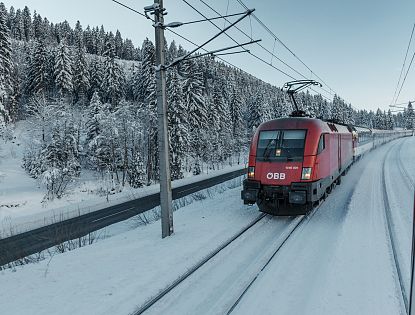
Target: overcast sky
{"points": [[356, 46]]}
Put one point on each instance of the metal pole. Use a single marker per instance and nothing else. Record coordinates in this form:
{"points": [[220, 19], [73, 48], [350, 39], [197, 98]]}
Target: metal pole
{"points": [[165, 180], [412, 293]]}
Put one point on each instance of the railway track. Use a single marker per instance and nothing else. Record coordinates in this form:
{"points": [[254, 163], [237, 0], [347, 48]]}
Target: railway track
{"points": [[391, 232], [193, 269], [294, 224], [408, 179], [288, 235]]}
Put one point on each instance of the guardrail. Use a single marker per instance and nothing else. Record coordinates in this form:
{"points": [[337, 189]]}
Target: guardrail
{"points": [[27, 243]]}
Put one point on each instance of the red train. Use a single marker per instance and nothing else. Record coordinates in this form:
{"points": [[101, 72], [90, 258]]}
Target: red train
{"points": [[295, 162]]}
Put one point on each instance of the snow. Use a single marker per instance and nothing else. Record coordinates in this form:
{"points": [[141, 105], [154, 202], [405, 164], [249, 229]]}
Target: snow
{"points": [[338, 262], [132, 266], [21, 207]]}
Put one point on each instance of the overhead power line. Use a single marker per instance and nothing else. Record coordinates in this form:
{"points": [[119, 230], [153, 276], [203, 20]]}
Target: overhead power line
{"points": [[181, 36], [403, 66], [267, 50], [284, 45], [332, 91], [218, 57], [406, 74], [131, 9], [248, 36], [230, 37]]}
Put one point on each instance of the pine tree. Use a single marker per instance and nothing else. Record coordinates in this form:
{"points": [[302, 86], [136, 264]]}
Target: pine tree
{"points": [[88, 40], [18, 31], [38, 30], [112, 85], [14, 95], [118, 43], [337, 109], [389, 121], [238, 130], [128, 50], [146, 95], [254, 113], [96, 74], [136, 170], [94, 115], [410, 117], [27, 24], [6, 62], [81, 76], [78, 35], [38, 74], [178, 132], [63, 70], [196, 109]]}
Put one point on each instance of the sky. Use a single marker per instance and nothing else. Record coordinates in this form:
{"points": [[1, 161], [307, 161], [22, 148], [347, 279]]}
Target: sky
{"points": [[357, 47]]}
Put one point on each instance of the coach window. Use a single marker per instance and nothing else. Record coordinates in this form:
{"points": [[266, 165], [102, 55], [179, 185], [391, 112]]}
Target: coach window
{"points": [[321, 144]]}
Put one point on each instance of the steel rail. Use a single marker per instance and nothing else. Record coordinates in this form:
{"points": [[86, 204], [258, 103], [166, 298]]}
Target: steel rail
{"points": [[306, 218], [391, 234], [193, 269], [408, 179]]}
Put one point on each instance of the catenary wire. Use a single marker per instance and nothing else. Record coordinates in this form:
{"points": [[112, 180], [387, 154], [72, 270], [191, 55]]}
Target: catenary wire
{"points": [[271, 53], [131, 9], [284, 45], [406, 74], [223, 60], [247, 35], [182, 37], [403, 66], [230, 37], [332, 92]]}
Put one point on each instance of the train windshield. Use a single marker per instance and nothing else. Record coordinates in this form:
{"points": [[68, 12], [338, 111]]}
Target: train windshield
{"points": [[281, 145]]}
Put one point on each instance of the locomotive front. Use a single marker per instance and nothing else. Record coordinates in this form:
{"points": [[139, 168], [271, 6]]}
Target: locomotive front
{"points": [[281, 166]]}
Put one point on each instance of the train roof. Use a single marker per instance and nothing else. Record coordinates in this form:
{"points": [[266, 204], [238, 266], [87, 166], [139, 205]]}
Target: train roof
{"points": [[304, 123]]}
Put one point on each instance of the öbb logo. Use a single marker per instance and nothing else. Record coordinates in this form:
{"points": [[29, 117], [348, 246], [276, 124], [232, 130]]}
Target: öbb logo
{"points": [[276, 176]]}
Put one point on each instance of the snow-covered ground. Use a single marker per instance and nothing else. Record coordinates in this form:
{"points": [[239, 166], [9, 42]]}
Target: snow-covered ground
{"points": [[21, 206], [339, 262]]}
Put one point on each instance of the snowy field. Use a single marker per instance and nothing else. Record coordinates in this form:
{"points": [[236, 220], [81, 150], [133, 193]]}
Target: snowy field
{"points": [[339, 262], [21, 206]]}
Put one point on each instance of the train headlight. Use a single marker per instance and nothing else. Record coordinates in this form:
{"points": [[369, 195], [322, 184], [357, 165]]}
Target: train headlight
{"points": [[251, 172], [306, 173]]}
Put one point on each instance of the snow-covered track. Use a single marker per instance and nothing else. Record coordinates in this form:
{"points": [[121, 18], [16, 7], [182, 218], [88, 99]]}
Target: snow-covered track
{"points": [[408, 179], [192, 270], [34, 241], [391, 234], [283, 241]]}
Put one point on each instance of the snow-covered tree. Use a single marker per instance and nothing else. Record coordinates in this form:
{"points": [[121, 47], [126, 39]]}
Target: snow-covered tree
{"points": [[410, 117], [113, 82], [6, 65], [38, 72], [178, 132], [196, 109], [63, 70], [27, 24], [81, 76]]}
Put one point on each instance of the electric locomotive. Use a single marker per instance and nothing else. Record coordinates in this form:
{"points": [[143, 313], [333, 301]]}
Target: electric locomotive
{"points": [[295, 161]]}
